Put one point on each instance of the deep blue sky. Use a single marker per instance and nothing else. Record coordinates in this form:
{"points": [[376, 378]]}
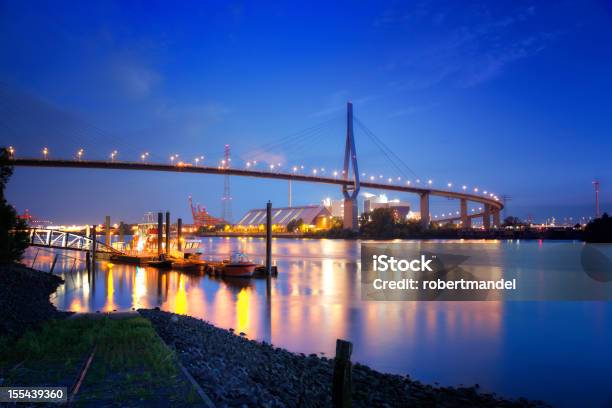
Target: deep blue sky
{"points": [[513, 97]]}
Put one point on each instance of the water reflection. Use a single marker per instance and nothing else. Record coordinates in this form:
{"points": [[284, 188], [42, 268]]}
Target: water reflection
{"points": [[515, 348]]}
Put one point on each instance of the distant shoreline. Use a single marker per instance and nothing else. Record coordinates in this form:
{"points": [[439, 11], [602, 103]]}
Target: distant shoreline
{"points": [[564, 235]]}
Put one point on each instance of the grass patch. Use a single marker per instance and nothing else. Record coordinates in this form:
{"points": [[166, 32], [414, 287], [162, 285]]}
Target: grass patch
{"points": [[131, 366]]}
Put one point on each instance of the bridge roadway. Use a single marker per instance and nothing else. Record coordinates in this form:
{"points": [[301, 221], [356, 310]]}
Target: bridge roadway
{"points": [[492, 206]]}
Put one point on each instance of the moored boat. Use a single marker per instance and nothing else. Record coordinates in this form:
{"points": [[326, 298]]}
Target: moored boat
{"points": [[239, 266]]}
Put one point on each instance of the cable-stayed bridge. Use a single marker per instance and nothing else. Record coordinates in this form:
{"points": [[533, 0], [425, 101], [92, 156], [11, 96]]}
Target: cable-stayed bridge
{"points": [[349, 179]]}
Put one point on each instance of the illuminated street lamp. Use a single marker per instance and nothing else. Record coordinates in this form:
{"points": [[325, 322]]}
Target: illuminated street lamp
{"points": [[144, 156], [113, 155], [314, 171], [335, 174], [248, 164], [449, 185], [11, 151], [429, 182], [475, 189], [464, 187], [80, 154], [197, 159], [45, 152]]}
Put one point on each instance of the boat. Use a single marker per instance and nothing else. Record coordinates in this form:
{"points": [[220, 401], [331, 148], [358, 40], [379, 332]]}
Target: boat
{"points": [[239, 266], [160, 264]]}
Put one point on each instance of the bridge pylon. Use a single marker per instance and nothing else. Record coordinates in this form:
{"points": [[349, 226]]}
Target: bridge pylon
{"points": [[350, 191]]}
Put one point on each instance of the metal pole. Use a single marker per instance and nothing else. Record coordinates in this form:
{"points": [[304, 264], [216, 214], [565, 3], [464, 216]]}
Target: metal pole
{"points": [[167, 232], [121, 234], [179, 234], [269, 238], [160, 231]]}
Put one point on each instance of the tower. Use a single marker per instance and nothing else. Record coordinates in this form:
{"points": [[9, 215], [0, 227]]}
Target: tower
{"points": [[227, 198], [350, 190], [596, 185]]}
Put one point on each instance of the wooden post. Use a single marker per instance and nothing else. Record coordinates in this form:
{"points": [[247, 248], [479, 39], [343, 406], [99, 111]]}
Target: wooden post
{"points": [[269, 239], [121, 234], [179, 234], [107, 230], [94, 244], [167, 233], [342, 377], [160, 232]]}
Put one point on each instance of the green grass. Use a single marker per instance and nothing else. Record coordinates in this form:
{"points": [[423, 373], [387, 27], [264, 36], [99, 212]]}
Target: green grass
{"points": [[131, 366]]}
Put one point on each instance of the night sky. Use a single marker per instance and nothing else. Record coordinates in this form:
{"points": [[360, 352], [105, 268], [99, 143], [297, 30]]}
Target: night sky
{"points": [[513, 97]]}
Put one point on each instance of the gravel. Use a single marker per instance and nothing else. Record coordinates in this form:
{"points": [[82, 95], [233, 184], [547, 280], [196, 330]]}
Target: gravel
{"points": [[235, 371], [24, 298]]}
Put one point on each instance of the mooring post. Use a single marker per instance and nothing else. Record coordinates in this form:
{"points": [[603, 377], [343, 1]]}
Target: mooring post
{"points": [[168, 233], [121, 234], [93, 248], [160, 232], [342, 377], [107, 230], [179, 234], [269, 239], [88, 266]]}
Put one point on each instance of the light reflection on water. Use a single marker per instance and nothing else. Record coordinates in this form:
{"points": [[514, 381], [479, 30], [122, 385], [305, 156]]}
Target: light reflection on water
{"points": [[557, 351]]}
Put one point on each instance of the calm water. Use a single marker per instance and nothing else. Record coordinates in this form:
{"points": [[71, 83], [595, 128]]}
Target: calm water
{"points": [[556, 351]]}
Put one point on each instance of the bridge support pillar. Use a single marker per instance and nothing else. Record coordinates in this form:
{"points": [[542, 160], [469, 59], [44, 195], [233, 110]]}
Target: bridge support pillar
{"points": [[350, 214], [424, 207], [486, 218], [496, 220], [465, 221]]}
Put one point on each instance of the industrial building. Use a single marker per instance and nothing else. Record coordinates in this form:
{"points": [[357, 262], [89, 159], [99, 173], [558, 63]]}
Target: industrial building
{"points": [[372, 202], [314, 218]]}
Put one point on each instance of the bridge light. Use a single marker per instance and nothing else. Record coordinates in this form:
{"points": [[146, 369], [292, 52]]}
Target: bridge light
{"points": [[295, 169], [372, 178], [464, 187], [314, 171], [144, 156], [335, 173], [80, 154], [484, 192], [429, 182], [45, 152], [449, 185], [475, 189], [11, 151], [248, 164], [418, 181], [390, 180], [197, 160], [113, 154], [407, 182], [398, 178], [479, 208]]}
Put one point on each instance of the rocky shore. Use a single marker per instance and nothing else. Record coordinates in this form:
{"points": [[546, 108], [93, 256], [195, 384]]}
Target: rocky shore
{"points": [[24, 298], [235, 371]]}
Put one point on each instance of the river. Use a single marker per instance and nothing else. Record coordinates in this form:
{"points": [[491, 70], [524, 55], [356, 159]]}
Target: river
{"points": [[554, 351]]}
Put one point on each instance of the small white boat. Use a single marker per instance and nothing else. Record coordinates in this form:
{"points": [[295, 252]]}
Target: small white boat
{"points": [[239, 266]]}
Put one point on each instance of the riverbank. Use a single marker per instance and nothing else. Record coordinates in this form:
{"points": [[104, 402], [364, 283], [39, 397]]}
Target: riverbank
{"points": [[236, 371], [24, 298]]}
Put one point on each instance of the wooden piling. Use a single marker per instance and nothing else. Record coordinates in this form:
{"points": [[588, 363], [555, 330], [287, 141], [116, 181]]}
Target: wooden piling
{"points": [[342, 377], [107, 230], [121, 234], [160, 232], [179, 234], [94, 244], [269, 239], [168, 233]]}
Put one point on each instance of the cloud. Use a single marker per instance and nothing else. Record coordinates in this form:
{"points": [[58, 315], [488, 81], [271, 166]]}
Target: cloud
{"points": [[135, 80], [463, 46]]}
